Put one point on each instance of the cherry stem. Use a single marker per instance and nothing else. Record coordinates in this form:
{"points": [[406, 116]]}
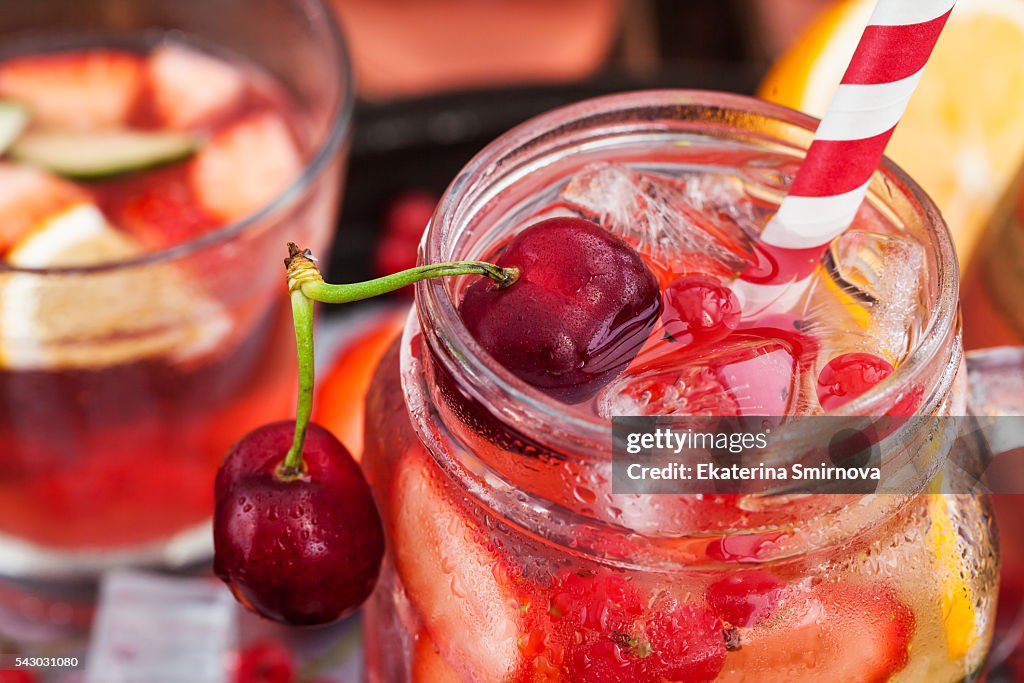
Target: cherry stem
{"points": [[307, 285], [302, 319], [343, 294]]}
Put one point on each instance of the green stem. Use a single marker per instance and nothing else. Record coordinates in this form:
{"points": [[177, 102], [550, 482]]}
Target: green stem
{"points": [[302, 318], [343, 294], [307, 285]]}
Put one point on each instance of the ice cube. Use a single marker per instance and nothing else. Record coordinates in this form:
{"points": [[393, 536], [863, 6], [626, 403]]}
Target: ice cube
{"points": [[877, 278], [691, 225], [769, 178], [722, 197], [744, 375], [151, 628]]}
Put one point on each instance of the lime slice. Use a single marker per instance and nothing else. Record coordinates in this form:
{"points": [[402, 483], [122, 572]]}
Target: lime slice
{"points": [[100, 154]]}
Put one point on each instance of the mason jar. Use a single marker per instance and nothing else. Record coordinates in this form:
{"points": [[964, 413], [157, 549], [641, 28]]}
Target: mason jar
{"points": [[511, 557]]}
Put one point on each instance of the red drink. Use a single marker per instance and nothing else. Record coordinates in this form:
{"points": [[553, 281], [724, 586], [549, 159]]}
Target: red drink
{"points": [[144, 194]]}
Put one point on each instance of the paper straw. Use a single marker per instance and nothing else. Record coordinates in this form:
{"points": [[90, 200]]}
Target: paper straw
{"points": [[848, 145]]}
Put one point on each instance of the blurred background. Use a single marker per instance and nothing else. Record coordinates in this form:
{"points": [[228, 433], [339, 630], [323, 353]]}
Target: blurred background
{"points": [[438, 79]]}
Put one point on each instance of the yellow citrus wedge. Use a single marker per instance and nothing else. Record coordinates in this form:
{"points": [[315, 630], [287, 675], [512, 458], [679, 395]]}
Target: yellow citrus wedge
{"points": [[955, 595], [962, 137], [102, 318], [78, 236]]}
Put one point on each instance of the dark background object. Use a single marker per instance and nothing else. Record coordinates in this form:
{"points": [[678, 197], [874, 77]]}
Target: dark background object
{"points": [[421, 143]]}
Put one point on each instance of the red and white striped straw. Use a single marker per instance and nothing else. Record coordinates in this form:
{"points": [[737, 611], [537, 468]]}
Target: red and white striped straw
{"points": [[850, 140]]}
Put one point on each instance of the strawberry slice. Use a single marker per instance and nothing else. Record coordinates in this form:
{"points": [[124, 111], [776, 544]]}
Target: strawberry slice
{"points": [[159, 207], [686, 642], [80, 90], [615, 633], [828, 633], [190, 89], [458, 583], [245, 166], [28, 196]]}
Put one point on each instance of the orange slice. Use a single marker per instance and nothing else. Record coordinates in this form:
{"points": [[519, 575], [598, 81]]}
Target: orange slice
{"points": [[962, 137], [340, 399]]}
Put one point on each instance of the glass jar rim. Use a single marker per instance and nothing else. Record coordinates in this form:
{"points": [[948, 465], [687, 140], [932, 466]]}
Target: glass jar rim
{"points": [[339, 124], [493, 384]]}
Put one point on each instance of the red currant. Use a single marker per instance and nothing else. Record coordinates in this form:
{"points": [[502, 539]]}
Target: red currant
{"points": [[699, 309], [846, 377]]}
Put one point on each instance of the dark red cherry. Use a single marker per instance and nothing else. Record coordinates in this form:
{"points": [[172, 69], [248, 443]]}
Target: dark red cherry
{"points": [[302, 552], [846, 377], [583, 306], [699, 309]]}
